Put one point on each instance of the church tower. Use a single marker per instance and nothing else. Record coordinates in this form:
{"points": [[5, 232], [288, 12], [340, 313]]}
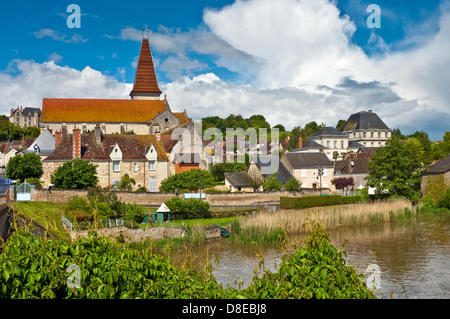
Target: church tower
{"points": [[145, 83]]}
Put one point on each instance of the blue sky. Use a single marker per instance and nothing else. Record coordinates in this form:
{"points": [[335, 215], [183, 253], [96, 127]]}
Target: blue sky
{"points": [[291, 60]]}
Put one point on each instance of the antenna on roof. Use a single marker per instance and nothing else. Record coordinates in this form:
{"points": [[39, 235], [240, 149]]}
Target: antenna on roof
{"points": [[145, 30]]}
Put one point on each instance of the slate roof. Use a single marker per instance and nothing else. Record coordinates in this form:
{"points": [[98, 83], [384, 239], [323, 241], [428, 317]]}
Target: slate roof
{"points": [[364, 121], [305, 160], [440, 167], [327, 131], [360, 165], [239, 180], [267, 167], [132, 147], [100, 110], [191, 158], [310, 145], [45, 142]]}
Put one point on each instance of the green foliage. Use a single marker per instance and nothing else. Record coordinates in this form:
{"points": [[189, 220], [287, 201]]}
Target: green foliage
{"points": [[10, 131], [435, 190], [218, 170], [397, 168], [75, 174], [192, 180], [235, 121], [316, 271], [293, 185], [141, 189], [340, 124], [318, 201], [188, 208], [22, 167], [441, 150], [126, 183], [79, 204], [271, 183]]}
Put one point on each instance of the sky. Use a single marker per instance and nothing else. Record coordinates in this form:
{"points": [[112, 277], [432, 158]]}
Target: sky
{"points": [[293, 61]]}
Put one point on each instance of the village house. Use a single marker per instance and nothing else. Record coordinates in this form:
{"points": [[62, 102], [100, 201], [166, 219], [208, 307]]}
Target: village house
{"points": [[43, 145], [367, 129], [305, 168], [25, 117], [441, 167], [142, 157], [262, 167], [239, 181]]}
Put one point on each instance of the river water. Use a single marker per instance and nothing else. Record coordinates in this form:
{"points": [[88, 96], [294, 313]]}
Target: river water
{"points": [[413, 257]]}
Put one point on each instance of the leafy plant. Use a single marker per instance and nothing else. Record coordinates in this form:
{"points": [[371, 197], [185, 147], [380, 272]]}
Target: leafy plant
{"points": [[75, 174], [24, 166], [192, 180], [293, 185]]}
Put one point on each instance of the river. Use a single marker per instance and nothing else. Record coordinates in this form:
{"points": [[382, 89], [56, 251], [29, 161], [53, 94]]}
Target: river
{"points": [[413, 257]]}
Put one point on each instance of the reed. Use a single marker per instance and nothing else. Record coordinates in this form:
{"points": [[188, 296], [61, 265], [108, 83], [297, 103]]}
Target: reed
{"points": [[291, 221]]}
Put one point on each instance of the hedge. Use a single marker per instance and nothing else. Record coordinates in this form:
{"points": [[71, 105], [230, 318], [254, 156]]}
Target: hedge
{"points": [[317, 201]]}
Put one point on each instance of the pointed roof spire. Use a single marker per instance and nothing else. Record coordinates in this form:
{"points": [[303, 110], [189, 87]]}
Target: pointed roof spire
{"points": [[145, 82]]}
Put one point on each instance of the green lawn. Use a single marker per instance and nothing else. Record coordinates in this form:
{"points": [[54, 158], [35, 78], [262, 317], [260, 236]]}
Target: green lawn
{"points": [[197, 221]]}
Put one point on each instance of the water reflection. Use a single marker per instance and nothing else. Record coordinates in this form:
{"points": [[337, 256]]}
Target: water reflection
{"points": [[414, 257]]}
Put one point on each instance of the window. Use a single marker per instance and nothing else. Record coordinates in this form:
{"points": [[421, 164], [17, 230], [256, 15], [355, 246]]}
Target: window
{"points": [[135, 167], [328, 144], [115, 183], [342, 144], [303, 172], [151, 165], [379, 143], [379, 134], [335, 144], [116, 166], [36, 149], [386, 134], [324, 172], [152, 184], [371, 134], [364, 134], [371, 143]]}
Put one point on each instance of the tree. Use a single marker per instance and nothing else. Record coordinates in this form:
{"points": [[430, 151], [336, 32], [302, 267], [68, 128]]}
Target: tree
{"points": [[397, 168], [340, 125], [293, 185], [218, 170], [75, 174], [24, 166], [293, 141], [271, 183], [435, 190], [280, 127], [442, 149], [342, 182], [126, 183], [191, 180]]}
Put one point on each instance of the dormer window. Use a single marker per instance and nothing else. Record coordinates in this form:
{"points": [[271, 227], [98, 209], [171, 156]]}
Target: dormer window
{"points": [[36, 149]]}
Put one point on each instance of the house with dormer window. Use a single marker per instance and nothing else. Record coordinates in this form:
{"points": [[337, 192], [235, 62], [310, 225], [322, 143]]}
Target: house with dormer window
{"points": [[142, 157]]}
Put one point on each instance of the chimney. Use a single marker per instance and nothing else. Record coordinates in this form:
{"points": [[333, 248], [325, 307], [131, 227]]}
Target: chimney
{"points": [[300, 142], [158, 136], [98, 134], [58, 138], [76, 143], [21, 109], [370, 111], [12, 112]]}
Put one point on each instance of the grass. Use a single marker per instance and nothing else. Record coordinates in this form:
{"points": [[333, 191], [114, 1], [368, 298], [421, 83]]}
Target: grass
{"points": [[197, 221], [47, 215]]}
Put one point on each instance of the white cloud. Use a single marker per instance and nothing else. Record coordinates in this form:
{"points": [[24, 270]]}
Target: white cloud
{"points": [[34, 81], [58, 36]]}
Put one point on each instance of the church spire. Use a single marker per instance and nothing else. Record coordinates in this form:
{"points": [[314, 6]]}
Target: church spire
{"points": [[145, 83]]}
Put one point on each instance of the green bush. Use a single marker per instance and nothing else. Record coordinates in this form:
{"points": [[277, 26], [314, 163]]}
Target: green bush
{"points": [[80, 204], [318, 201], [134, 212], [188, 208]]}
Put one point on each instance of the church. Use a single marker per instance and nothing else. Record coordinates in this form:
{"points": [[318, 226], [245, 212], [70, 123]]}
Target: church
{"points": [[143, 114]]}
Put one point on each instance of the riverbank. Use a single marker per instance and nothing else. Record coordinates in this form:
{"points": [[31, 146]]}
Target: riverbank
{"points": [[275, 227]]}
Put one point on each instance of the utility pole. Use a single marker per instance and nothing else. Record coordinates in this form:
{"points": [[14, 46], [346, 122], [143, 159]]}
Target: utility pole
{"points": [[320, 177]]}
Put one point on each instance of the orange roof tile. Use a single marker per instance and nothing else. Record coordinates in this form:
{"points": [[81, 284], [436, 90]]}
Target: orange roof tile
{"points": [[100, 110], [145, 80], [181, 116]]}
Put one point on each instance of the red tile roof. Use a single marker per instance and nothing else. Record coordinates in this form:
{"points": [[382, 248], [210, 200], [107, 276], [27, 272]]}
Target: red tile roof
{"points": [[145, 80], [100, 110], [132, 146]]}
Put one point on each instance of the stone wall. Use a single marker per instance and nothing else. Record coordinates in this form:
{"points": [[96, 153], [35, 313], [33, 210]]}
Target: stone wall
{"points": [[156, 199]]}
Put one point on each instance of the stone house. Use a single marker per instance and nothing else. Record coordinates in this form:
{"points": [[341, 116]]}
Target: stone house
{"points": [[239, 181], [441, 167], [25, 117], [367, 129], [261, 167], [142, 157], [355, 166], [305, 168], [43, 146]]}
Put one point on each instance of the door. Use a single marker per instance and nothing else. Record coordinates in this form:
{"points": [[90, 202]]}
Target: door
{"points": [[152, 184]]}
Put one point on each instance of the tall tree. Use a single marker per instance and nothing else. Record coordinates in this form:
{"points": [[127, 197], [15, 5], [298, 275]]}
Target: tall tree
{"points": [[397, 168], [23, 167], [75, 174]]}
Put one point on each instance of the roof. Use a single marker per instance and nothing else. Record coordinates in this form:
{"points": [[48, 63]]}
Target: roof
{"points": [[364, 121], [305, 160], [267, 168], [182, 116], [100, 110], [238, 180], [29, 110], [132, 147], [360, 165], [328, 131], [145, 80], [189, 158], [440, 167], [310, 145], [45, 142], [354, 144]]}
